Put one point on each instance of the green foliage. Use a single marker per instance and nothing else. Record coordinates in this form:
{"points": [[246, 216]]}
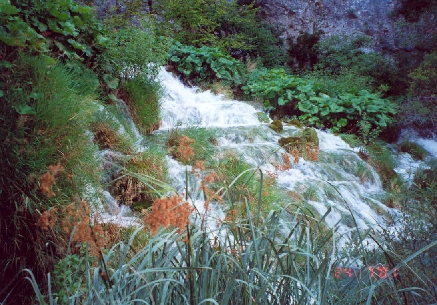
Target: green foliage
{"points": [[227, 25], [216, 23], [133, 51], [60, 26], [338, 54], [55, 106], [347, 81], [70, 274], [142, 98], [338, 112], [205, 64], [418, 203], [424, 77]]}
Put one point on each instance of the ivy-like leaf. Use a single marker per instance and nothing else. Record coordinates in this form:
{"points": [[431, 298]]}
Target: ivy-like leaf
{"points": [[308, 107]]}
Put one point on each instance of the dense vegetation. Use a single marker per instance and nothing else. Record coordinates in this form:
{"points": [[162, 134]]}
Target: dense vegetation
{"points": [[63, 74]]}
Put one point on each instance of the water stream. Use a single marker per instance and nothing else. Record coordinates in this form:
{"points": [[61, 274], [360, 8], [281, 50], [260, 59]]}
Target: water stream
{"points": [[339, 180]]}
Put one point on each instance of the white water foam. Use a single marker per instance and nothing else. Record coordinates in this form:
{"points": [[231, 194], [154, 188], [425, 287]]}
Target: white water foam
{"points": [[336, 180]]}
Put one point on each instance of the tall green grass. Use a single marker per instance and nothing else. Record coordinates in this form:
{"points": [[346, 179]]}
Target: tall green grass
{"points": [[47, 109], [143, 96], [281, 258]]}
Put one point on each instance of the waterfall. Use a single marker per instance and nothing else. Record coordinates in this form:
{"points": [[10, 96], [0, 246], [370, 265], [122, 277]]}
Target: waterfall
{"points": [[340, 179]]}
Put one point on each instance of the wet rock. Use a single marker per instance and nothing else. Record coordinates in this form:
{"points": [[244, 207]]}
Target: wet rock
{"points": [[277, 126]]}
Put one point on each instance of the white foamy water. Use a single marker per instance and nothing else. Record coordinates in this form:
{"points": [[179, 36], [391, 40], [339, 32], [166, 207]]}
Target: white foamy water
{"points": [[340, 180], [184, 107]]}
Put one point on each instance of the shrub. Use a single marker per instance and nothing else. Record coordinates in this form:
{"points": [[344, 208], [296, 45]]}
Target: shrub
{"points": [[424, 77], [354, 53], [142, 96], [58, 26], [231, 26], [205, 64], [133, 52], [300, 97]]}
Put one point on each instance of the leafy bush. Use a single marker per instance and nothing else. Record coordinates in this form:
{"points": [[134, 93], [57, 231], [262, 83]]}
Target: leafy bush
{"points": [[354, 53], [231, 26], [424, 77], [339, 113], [61, 26], [205, 64], [132, 52]]}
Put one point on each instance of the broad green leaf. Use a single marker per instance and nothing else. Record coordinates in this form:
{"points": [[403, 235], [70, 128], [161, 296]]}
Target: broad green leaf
{"points": [[324, 112], [24, 109], [308, 107], [13, 41], [63, 16], [76, 45], [341, 122], [102, 40]]}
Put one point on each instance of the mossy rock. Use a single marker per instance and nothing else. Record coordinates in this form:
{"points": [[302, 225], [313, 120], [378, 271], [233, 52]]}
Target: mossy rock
{"points": [[291, 142], [414, 149], [305, 142], [425, 179], [263, 117], [295, 123], [128, 189], [310, 135], [139, 206], [277, 126]]}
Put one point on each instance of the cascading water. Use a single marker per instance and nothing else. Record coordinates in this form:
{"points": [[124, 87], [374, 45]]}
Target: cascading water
{"points": [[339, 180]]}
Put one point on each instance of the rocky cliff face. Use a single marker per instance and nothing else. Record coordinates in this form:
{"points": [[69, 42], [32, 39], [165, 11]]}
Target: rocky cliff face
{"points": [[329, 17]]}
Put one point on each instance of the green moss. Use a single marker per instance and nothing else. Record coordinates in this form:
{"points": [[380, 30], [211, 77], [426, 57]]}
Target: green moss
{"points": [[277, 126], [306, 142], [295, 123], [310, 136], [414, 149], [263, 117]]}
